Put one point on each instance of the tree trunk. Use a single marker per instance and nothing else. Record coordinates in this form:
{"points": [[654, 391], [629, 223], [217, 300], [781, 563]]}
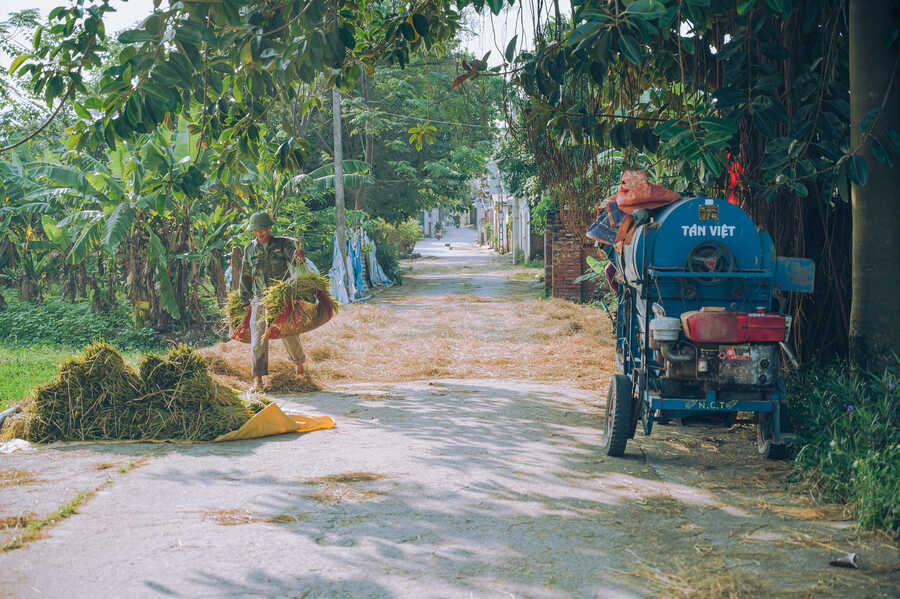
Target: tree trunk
{"points": [[81, 280], [27, 288], [100, 303], [2, 303], [217, 277], [69, 286], [111, 282], [875, 310], [237, 262]]}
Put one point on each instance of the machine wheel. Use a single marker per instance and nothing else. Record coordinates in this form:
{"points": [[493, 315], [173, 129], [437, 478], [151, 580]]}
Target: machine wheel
{"points": [[619, 403], [764, 445]]}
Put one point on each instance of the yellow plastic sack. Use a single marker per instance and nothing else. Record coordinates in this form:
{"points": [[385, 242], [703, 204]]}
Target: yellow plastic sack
{"points": [[272, 421]]}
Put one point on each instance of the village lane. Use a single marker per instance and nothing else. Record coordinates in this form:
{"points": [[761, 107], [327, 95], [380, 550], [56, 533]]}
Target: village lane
{"points": [[465, 463]]}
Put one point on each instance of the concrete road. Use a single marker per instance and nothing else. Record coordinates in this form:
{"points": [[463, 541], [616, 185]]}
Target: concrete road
{"points": [[442, 488]]}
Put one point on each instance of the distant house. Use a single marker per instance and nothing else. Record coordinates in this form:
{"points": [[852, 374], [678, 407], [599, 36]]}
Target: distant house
{"points": [[428, 219], [505, 222]]}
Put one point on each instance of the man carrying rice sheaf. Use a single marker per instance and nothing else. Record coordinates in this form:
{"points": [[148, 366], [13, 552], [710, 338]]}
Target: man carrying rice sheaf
{"points": [[266, 260]]}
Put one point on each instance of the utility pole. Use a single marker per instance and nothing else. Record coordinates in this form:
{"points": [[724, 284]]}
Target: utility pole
{"points": [[514, 230], [339, 219]]}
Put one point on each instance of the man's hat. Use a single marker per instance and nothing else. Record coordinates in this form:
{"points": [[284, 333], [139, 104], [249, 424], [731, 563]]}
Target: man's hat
{"points": [[260, 220]]}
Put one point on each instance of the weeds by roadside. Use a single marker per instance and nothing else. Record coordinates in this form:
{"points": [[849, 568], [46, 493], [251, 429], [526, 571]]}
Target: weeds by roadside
{"points": [[60, 323], [33, 528], [848, 423]]}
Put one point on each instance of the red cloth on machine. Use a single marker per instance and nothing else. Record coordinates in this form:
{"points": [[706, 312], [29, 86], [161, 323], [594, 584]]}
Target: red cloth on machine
{"points": [[735, 172], [636, 191]]}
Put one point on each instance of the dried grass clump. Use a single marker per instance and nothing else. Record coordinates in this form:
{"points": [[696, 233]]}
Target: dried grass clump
{"points": [[87, 400], [710, 578], [96, 396], [234, 311], [15, 477], [346, 477], [331, 494], [15, 522]]}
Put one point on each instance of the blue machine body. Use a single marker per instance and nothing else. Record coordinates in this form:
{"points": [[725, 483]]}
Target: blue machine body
{"points": [[696, 254]]}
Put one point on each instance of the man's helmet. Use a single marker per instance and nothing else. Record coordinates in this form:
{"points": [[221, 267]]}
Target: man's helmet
{"points": [[260, 220]]}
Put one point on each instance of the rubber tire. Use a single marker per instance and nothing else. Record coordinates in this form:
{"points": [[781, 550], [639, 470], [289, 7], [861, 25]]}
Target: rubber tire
{"points": [[619, 404], [764, 446]]}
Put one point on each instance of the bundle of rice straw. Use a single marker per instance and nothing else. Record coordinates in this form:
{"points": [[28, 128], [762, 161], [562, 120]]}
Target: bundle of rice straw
{"points": [[96, 396], [296, 299], [234, 311]]}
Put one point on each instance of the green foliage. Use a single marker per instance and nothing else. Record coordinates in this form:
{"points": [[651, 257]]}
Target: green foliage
{"points": [[387, 254], [219, 65], [402, 236], [169, 136], [427, 142], [59, 323], [848, 424]]}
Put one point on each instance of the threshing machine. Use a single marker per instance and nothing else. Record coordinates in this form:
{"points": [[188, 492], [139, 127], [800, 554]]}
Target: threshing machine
{"points": [[697, 328]]}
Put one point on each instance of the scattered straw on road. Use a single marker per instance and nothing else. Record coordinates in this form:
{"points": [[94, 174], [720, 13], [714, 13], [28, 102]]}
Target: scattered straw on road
{"points": [[450, 336]]}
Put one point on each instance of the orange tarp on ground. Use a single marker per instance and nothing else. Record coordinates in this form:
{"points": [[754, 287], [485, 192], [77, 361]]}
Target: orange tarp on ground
{"points": [[272, 421]]}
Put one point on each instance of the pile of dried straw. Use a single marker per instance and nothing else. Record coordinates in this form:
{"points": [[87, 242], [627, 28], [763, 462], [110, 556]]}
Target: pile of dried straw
{"points": [[97, 396]]}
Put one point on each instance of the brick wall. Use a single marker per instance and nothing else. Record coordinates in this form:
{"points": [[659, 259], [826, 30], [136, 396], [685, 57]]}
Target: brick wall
{"points": [[567, 262], [565, 259], [551, 228]]}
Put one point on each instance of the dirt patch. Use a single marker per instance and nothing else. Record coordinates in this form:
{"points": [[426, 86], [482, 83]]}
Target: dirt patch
{"points": [[230, 364], [14, 477]]}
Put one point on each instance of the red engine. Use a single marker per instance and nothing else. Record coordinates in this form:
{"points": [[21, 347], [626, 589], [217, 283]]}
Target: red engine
{"points": [[717, 325]]}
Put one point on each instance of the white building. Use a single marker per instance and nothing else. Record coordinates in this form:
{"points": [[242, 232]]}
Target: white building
{"points": [[507, 217]]}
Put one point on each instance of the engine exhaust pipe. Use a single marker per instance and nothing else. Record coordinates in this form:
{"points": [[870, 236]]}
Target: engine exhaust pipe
{"points": [[667, 350]]}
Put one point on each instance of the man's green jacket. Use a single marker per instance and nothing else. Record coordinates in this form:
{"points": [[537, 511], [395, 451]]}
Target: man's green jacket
{"points": [[265, 264]]}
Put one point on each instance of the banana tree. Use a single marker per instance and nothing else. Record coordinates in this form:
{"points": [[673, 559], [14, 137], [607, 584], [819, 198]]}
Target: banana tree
{"points": [[356, 174], [25, 256], [139, 209]]}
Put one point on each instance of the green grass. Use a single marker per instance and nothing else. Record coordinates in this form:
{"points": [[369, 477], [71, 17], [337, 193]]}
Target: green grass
{"points": [[848, 425], [25, 366], [21, 368]]}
